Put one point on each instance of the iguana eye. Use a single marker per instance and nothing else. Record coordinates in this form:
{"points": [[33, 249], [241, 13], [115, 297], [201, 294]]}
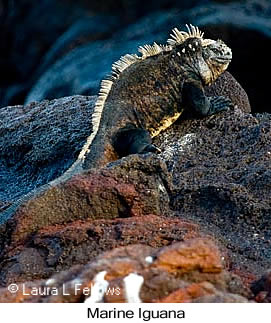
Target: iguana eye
{"points": [[216, 51]]}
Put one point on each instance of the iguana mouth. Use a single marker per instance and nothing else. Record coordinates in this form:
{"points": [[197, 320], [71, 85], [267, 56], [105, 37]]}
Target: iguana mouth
{"points": [[223, 60]]}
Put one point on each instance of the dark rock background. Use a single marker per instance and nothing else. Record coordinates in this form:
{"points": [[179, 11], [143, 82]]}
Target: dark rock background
{"points": [[55, 48], [201, 209]]}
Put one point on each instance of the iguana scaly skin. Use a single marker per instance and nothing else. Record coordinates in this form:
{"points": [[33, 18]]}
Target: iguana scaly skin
{"points": [[145, 95]]}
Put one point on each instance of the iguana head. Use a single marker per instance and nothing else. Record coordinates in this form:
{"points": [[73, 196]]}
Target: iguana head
{"points": [[205, 58], [217, 55]]}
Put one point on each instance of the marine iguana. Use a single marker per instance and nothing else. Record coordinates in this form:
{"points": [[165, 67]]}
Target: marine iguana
{"points": [[146, 94]]}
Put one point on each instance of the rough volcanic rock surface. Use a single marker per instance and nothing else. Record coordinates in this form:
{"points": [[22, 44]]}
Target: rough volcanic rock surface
{"points": [[262, 288], [59, 247], [184, 272], [221, 173], [133, 186], [46, 139]]}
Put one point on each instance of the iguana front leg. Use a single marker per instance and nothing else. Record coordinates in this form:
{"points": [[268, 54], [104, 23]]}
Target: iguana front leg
{"points": [[195, 99]]}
